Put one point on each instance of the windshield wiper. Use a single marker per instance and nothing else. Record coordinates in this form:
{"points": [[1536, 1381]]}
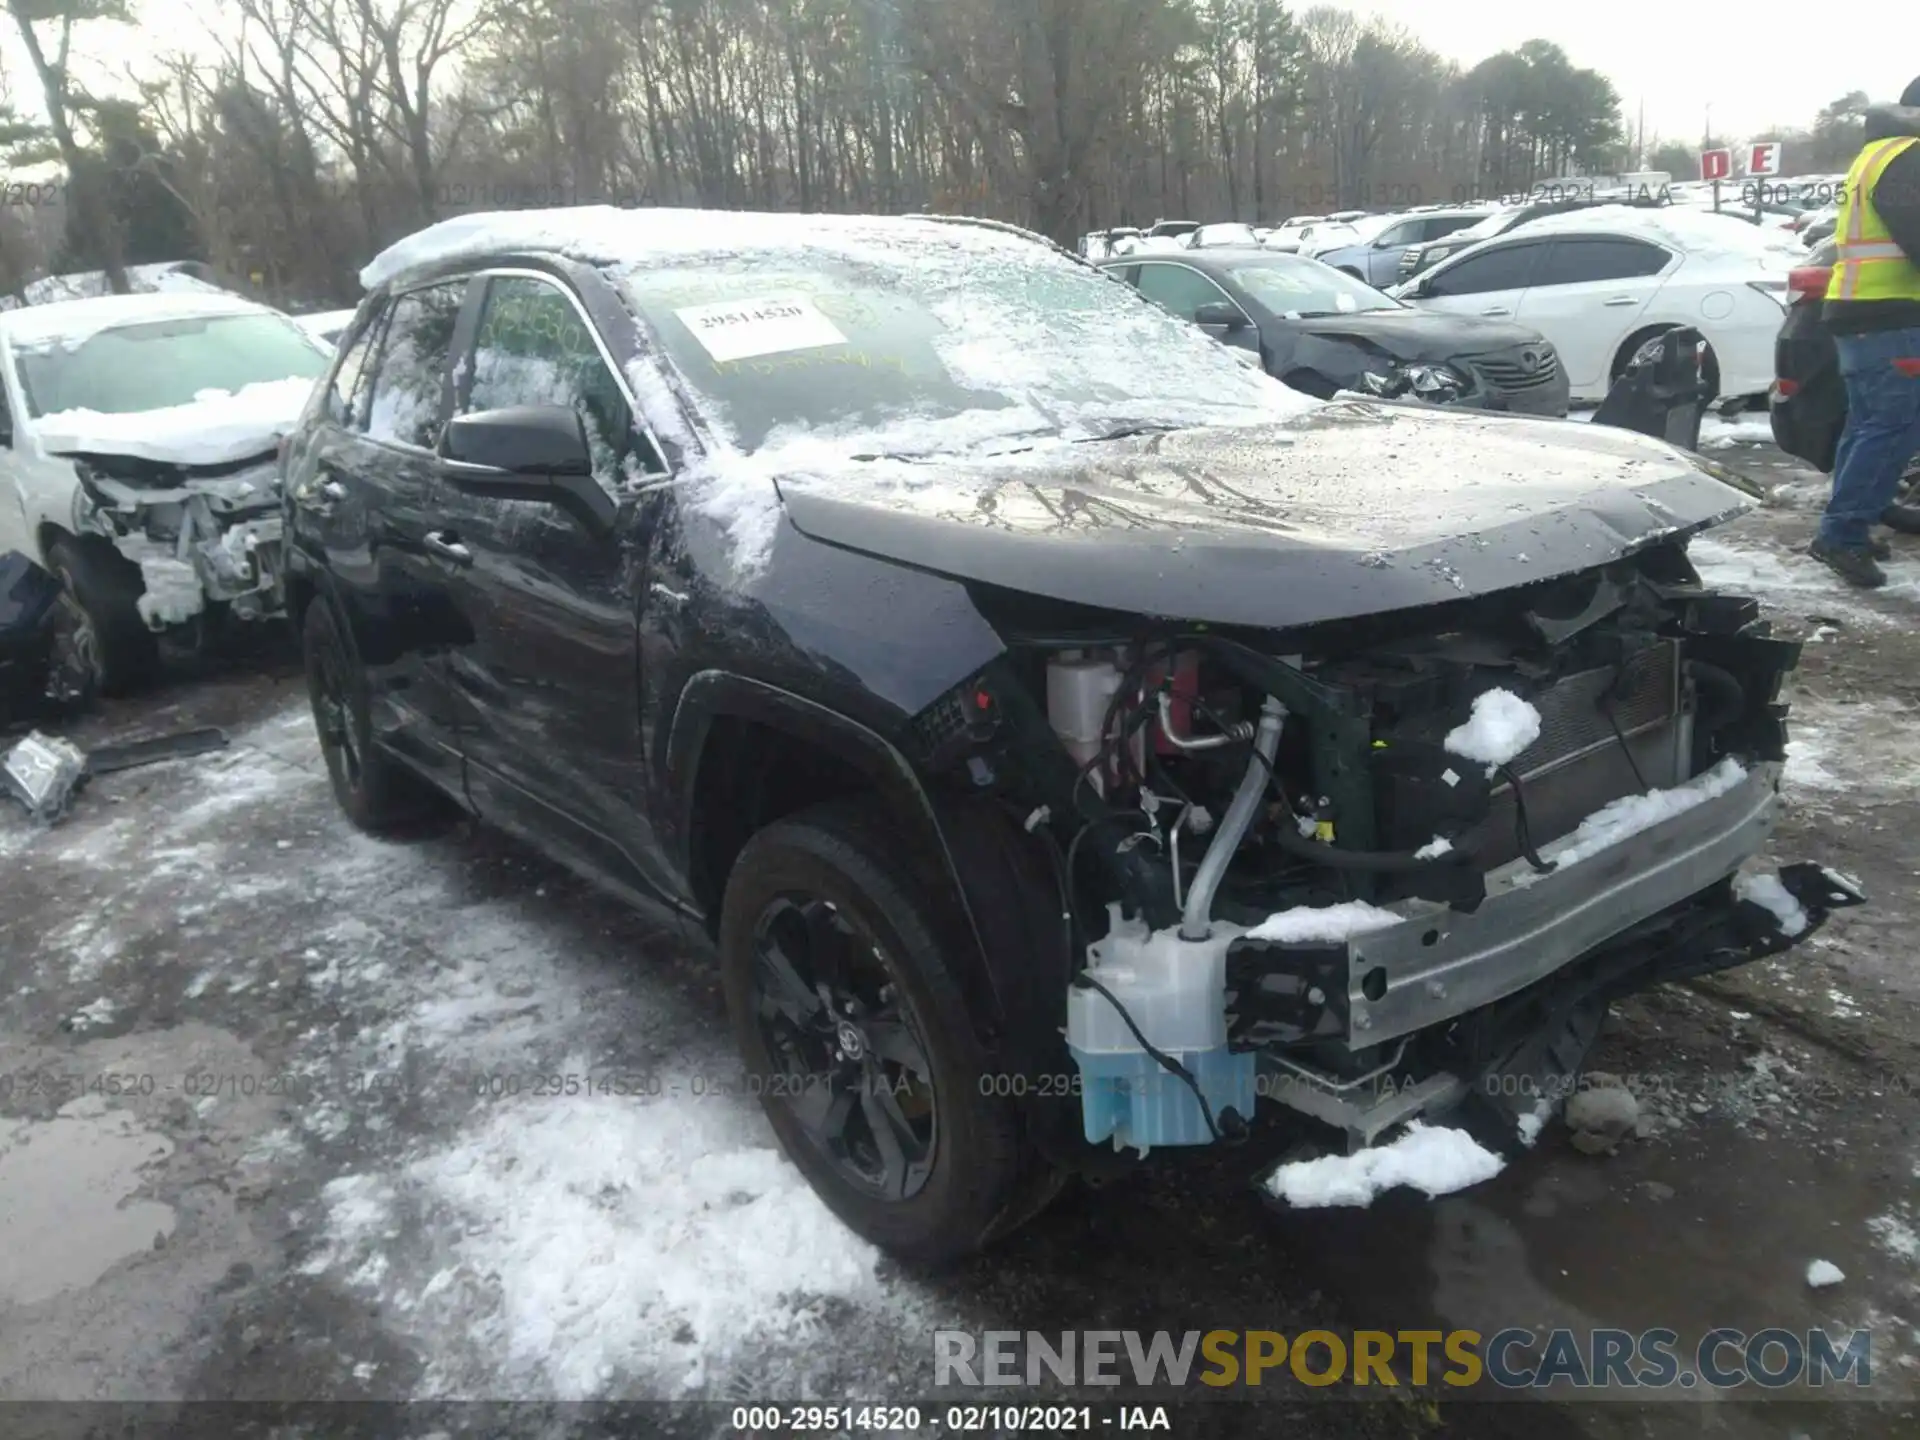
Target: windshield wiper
{"points": [[1127, 432]]}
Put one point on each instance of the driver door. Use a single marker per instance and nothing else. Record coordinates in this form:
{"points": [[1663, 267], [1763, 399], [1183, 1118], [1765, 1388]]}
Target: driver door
{"points": [[1183, 290], [550, 672]]}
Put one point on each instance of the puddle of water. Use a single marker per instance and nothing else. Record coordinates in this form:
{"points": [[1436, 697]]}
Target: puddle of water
{"points": [[65, 1198]]}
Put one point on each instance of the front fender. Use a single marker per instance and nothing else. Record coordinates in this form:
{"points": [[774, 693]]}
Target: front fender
{"points": [[712, 695]]}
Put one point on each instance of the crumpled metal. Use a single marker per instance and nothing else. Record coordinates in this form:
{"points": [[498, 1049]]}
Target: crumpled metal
{"points": [[41, 772]]}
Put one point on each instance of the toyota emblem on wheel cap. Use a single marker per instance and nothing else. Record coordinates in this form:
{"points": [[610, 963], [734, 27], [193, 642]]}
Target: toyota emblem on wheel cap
{"points": [[850, 1042]]}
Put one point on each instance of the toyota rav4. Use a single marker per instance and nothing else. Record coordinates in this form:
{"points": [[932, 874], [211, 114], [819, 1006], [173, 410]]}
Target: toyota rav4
{"points": [[1072, 742]]}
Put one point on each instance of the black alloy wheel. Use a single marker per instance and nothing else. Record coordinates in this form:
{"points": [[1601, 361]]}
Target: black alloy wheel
{"points": [[853, 1067], [841, 949]]}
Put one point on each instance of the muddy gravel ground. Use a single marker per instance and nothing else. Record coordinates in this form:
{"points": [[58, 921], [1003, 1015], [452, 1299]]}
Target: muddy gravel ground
{"points": [[291, 1114]]}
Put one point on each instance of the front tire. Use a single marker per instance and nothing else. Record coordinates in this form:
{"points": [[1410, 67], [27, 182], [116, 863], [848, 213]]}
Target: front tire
{"points": [[101, 642], [376, 793], [839, 969]]}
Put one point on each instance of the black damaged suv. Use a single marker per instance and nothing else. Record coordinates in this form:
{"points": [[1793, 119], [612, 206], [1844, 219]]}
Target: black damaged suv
{"points": [[1075, 742]]}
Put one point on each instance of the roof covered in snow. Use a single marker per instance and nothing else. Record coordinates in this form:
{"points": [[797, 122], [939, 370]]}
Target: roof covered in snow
{"points": [[74, 320], [605, 234], [1694, 232]]}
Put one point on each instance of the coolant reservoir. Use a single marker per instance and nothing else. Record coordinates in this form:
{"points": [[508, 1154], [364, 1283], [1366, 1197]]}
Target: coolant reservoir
{"points": [[1175, 992], [1078, 693]]}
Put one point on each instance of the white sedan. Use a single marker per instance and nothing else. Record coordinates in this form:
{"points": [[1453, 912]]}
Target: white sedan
{"points": [[1599, 283], [138, 440]]}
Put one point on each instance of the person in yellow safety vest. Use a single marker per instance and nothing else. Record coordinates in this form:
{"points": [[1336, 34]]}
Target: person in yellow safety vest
{"points": [[1873, 310]]}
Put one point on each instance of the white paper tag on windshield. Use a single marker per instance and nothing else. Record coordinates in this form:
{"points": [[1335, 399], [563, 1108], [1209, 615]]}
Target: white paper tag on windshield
{"points": [[765, 325]]}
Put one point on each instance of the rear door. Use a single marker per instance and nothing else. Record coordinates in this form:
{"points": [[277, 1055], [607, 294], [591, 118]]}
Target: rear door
{"points": [[549, 669], [363, 494], [1587, 296], [1488, 283]]}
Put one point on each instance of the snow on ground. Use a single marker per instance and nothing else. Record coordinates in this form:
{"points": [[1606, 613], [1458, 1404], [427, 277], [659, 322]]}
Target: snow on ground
{"points": [[1798, 584], [1501, 726], [1750, 427], [1431, 1158], [533, 1165]]}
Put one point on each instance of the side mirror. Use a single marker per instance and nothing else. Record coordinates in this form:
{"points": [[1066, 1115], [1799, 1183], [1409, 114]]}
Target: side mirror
{"points": [[526, 452], [1220, 315]]}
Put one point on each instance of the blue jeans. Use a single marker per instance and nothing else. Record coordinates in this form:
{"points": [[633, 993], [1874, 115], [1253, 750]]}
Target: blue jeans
{"points": [[1882, 434]]}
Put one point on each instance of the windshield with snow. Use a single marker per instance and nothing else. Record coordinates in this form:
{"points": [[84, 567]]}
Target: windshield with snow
{"points": [[1300, 288], [926, 348], [160, 363]]}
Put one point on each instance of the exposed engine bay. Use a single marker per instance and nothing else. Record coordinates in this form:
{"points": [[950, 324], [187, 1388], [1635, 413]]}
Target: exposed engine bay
{"points": [[1375, 868], [199, 533]]}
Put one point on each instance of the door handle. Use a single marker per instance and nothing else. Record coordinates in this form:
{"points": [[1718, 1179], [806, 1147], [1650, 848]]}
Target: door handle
{"points": [[442, 544], [1622, 300], [1497, 310]]}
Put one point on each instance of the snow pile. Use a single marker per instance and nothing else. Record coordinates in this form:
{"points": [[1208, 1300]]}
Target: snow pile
{"points": [[1601, 1114], [1430, 1158], [1327, 924], [1626, 817], [1822, 1273], [216, 427], [1436, 847], [1747, 428], [1768, 891], [1501, 726], [1531, 1123], [609, 1236]]}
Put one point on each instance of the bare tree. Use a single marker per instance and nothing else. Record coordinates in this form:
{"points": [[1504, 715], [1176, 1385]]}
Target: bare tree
{"points": [[86, 180]]}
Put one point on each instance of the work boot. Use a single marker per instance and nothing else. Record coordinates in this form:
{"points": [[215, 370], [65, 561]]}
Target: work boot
{"points": [[1880, 548], [1852, 563], [1902, 517]]}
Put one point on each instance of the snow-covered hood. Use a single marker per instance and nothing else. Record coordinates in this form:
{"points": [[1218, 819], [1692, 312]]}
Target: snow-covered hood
{"points": [[218, 428], [1355, 509]]}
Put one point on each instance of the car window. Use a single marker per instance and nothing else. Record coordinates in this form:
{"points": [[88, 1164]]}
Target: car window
{"points": [[1504, 267], [1439, 225], [156, 364], [1179, 289], [410, 384], [1293, 287], [350, 374], [1405, 233], [533, 347], [1570, 261]]}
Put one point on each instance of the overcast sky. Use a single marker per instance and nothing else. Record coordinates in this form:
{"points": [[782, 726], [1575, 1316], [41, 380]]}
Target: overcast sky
{"points": [[1676, 58]]}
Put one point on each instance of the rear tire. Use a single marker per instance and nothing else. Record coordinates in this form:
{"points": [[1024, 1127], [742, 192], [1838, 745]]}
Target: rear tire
{"points": [[102, 641], [830, 904], [377, 793]]}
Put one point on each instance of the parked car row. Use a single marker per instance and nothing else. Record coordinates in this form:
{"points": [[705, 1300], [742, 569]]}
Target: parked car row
{"points": [[1322, 331], [1600, 281]]}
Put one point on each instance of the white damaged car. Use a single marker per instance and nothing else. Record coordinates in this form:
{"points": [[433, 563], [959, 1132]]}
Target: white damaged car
{"points": [[138, 462]]}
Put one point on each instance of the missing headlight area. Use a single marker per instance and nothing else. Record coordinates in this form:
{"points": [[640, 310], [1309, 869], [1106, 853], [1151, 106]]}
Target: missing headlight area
{"points": [[199, 534], [1360, 868]]}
